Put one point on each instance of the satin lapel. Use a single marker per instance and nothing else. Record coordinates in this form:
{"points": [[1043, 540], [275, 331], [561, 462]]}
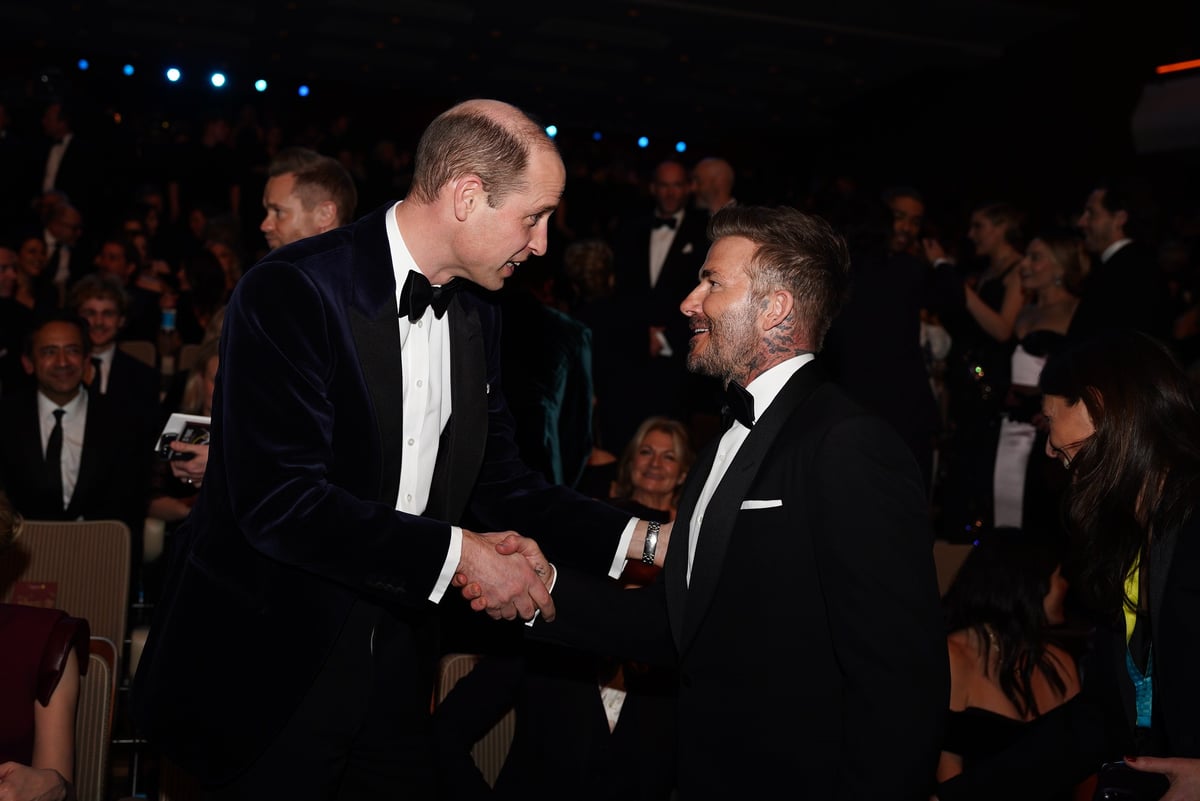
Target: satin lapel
{"points": [[723, 508], [373, 322], [462, 444], [675, 564]]}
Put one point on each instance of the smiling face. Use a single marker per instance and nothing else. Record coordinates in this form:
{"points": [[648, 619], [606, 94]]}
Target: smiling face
{"points": [[56, 360], [657, 470], [31, 257], [908, 215], [1039, 268], [104, 321], [670, 188], [725, 329], [1100, 226], [496, 240], [1070, 427]]}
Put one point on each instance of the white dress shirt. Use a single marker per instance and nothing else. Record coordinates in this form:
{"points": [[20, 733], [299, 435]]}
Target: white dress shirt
{"points": [[764, 388], [74, 423], [1112, 249], [54, 161], [106, 360]]}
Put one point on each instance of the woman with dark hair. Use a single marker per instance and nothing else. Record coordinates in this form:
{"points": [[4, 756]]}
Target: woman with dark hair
{"points": [[1122, 421], [1005, 668]]}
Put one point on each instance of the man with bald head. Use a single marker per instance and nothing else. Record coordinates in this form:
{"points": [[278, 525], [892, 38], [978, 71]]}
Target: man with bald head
{"points": [[712, 181], [361, 448]]}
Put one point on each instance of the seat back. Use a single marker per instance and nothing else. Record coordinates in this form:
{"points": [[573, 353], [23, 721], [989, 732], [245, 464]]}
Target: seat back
{"points": [[141, 349], [81, 567], [94, 720], [491, 750]]}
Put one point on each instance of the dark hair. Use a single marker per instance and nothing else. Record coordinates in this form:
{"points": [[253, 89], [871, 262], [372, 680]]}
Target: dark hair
{"points": [[892, 192], [1138, 475], [318, 178], [796, 251], [999, 593], [57, 316], [206, 279], [1131, 194], [464, 140]]}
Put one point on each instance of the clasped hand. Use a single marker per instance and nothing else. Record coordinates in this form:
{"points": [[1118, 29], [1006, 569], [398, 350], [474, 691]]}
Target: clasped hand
{"points": [[505, 575]]}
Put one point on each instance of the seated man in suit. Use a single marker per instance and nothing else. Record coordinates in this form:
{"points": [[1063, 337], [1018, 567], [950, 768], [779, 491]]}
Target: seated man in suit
{"points": [[131, 384], [67, 453]]}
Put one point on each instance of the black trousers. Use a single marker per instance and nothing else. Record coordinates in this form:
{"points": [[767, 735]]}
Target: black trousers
{"points": [[361, 733]]}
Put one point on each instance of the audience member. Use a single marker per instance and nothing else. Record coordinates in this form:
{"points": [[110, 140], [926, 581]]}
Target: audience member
{"points": [[712, 182], [66, 453], [1005, 666], [15, 320], [657, 258], [306, 194], [117, 257], [652, 469], [32, 291], [62, 231], [45, 651], [1123, 422], [1027, 484], [807, 511], [1125, 287], [131, 384]]}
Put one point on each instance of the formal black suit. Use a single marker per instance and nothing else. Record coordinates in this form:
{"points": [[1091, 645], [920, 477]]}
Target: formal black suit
{"points": [[114, 467], [809, 642], [1070, 742], [657, 385], [295, 535], [133, 386], [1127, 291]]}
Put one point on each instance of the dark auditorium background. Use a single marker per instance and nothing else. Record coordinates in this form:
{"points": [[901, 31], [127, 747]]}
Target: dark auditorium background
{"points": [[966, 99]]}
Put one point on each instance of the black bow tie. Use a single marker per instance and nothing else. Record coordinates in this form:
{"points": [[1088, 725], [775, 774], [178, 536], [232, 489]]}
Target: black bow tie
{"points": [[739, 405], [663, 222], [418, 295]]}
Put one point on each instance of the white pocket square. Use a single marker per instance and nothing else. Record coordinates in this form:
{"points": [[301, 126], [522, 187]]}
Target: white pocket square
{"points": [[771, 504], [687, 248]]}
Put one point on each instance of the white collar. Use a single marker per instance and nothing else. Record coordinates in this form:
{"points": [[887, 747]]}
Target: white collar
{"points": [[767, 385], [1113, 248]]}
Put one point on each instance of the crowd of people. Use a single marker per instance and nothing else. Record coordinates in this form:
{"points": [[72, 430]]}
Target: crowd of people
{"points": [[388, 471]]}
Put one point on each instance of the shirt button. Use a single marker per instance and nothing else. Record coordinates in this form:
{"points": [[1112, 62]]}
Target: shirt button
{"points": [[420, 383], [411, 441], [420, 323], [408, 498]]}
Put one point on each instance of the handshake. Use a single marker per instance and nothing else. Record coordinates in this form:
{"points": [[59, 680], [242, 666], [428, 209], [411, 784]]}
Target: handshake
{"points": [[507, 575]]}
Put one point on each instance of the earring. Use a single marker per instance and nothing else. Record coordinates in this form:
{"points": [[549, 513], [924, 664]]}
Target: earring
{"points": [[1058, 280]]}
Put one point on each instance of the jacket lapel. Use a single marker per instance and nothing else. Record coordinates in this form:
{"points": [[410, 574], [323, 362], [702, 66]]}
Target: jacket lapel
{"points": [[720, 516], [376, 331]]}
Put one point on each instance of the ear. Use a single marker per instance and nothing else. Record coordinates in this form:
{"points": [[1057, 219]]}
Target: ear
{"points": [[27, 364], [468, 193], [779, 306], [1121, 219], [326, 214]]}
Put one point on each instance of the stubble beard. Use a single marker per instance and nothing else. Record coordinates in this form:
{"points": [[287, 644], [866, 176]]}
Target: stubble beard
{"points": [[732, 350]]}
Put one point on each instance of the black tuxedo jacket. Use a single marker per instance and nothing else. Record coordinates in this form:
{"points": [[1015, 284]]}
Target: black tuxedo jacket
{"points": [[810, 630], [133, 386], [1127, 291], [114, 468], [297, 520]]}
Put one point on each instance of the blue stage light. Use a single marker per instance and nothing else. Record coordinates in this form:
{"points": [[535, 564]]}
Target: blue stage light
{"points": [[218, 79], [303, 90], [643, 141], [551, 131], [127, 69], [260, 85], [681, 147], [173, 74], [83, 64], [597, 136]]}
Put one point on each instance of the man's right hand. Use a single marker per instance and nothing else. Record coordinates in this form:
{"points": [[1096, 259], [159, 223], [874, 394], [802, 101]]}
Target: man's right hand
{"points": [[505, 585]]}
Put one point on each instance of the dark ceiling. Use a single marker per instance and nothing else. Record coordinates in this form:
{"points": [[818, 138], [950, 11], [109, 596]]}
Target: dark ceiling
{"points": [[664, 66], [1051, 78]]}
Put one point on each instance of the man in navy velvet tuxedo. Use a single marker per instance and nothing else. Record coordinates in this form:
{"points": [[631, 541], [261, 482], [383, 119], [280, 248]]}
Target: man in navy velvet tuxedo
{"points": [[360, 445]]}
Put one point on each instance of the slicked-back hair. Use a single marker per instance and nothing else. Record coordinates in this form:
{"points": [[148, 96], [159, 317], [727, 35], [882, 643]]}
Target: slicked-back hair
{"points": [[462, 142], [318, 178], [1138, 476], [796, 251]]}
